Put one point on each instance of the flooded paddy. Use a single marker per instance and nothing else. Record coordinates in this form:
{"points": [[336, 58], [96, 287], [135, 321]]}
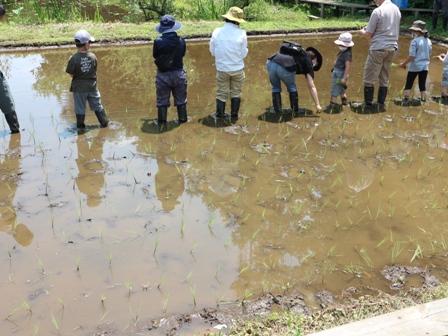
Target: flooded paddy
{"points": [[112, 228]]}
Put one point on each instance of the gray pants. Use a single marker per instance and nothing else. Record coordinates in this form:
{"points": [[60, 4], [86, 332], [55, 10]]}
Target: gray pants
{"points": [[6, 100], [94, 99]]}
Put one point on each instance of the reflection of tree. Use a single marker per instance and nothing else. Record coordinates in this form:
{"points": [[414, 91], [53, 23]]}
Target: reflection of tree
{"points": [[91, 166], [9, 170]]}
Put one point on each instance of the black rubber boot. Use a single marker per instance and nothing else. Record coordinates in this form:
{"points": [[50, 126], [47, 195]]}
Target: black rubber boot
{"points": [[277, 102], [234, 107], [382, 94], [182, 113], [294, 101], [13, 122], [162, 112], [220, 109], [101, 116], [80, 120], [368, 95]]}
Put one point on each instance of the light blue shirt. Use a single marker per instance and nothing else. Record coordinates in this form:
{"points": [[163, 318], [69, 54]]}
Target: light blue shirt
{"points": [[229, 46], [420, 48]]}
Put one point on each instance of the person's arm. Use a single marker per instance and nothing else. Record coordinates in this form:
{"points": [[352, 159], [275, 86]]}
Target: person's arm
{"points": [[244, 49], [406, 62], [313, 92], [345, 77], [365, 33]]}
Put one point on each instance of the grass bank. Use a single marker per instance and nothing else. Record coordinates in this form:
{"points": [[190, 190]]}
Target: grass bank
{"points": [[13, 35]]}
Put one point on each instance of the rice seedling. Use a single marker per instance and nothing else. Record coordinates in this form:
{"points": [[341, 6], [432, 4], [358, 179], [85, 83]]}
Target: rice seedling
{"points": [[193, 293], [256, 232], [247, 294], [188, 277], [418, 253], [182, 226], [396, 250], [25, 305], [102, 317], [193, 247], [211, 220], [78, 260], [128, 287], [36, 329], [103, 298], [55, 323], [41, 265], [365, 257], [165, 299], [161, 281], [218, 270], [155, 246], [9, 252]]}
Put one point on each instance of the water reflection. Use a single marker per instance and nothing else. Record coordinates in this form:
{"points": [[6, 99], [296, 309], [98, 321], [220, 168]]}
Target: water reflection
{"points": [[91, 166], [10, 171]]}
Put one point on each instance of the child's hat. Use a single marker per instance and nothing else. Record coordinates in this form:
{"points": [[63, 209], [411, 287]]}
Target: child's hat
{"points": [[168, 25], [420, 26], [82, 37], [345, 39]]}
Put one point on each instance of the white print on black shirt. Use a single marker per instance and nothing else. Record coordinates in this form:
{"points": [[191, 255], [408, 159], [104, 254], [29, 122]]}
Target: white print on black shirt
{"points": [[86, 64]]}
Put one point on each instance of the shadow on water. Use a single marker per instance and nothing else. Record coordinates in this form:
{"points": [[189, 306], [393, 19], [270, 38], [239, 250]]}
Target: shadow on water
{"points": [[135, 221]]}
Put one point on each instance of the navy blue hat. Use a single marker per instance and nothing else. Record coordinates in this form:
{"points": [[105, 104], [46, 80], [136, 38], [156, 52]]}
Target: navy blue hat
{"points": [[168, 25]]}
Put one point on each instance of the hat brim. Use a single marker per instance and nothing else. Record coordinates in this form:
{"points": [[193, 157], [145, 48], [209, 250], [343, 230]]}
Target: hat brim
{"points": [[164, 30], [344, 44], [232, 18], [424, 31], [318, 56]]}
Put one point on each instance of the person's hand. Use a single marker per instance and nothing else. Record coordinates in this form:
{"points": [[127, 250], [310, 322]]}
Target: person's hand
{"points": [[402, 65], [344, 84], [362, 31], [319, 109]]}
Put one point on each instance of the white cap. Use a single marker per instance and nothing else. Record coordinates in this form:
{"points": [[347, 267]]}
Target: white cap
{"points": [[82, 36]]}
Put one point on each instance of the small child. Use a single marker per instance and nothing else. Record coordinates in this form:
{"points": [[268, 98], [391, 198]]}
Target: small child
{"points": [[418, 60], [82, 67], [444, 59], [340, 71]]}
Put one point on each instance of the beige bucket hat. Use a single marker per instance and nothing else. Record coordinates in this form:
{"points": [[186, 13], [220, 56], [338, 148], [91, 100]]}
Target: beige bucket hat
{"points": [[235, 14]]}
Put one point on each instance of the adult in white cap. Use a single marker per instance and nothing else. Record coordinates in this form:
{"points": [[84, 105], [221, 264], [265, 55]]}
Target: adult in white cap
{"points": [[229, 47], [171, 76], [382, 31], [6, 100]]}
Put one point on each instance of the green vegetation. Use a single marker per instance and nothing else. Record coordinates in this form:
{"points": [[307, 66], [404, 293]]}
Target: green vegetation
{"points": [[57, 23]]}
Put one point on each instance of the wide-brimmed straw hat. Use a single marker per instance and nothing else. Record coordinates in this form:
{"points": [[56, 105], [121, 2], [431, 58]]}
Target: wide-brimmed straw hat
{"points": [[235, 14], [168, 25], [345, 40], [419, 25], [318, 57]]}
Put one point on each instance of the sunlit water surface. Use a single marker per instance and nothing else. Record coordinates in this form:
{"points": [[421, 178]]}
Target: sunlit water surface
{"points": [[114, 227]]}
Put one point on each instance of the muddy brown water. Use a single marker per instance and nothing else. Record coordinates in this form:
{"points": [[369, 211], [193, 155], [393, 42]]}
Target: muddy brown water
{"points": [[114, 227]]}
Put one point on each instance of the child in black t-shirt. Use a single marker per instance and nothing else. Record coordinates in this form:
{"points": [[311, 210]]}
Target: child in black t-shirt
{"points": [[82, 67], [341, 68]]}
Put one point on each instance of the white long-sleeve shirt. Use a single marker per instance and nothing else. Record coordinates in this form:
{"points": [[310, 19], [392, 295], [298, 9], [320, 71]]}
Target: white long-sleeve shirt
{"points": [[229, 47]]}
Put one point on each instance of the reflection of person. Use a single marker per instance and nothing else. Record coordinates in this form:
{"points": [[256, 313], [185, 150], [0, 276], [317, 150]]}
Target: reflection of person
{"points": [[418, 60], [341, 69], [382, 30], [444, 59], [82, 67], [10, 166], [6, 101], [174, 80], [229, 47], [284, 65], [169, 183], [91, 167], [440, 5]]}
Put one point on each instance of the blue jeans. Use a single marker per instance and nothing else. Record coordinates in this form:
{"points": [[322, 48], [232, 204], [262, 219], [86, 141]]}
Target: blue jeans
{"points": [[278, 74]]}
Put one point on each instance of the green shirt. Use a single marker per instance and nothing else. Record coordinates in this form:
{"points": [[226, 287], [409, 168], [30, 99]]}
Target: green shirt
{"points": [[82, 66]]}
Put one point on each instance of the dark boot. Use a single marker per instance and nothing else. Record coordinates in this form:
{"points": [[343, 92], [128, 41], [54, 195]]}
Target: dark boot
{"points": [[101, 115], [294, 101], [162, 112], [234, 107], [220, 109], [277, 102], [368, 95], [13, 122], [382, 94], [182, 113], [80, 120]]}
